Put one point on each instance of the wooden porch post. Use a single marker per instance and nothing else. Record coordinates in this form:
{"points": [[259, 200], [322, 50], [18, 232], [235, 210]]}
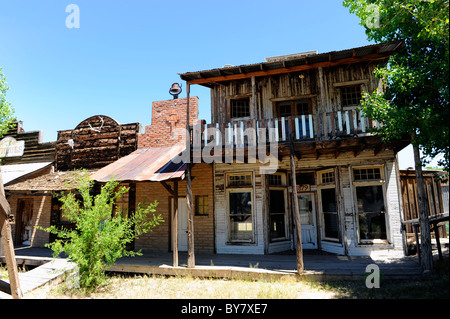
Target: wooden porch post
{"points": [[425, 236], [298, 225], [191, 256], [175, 224], [7, 242]]}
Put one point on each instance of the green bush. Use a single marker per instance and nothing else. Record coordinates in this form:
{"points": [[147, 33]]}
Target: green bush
{"points": [[102, 230]]}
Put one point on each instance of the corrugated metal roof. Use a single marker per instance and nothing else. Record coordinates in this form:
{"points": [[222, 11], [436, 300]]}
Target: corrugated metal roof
{"points": [[153, 164]]}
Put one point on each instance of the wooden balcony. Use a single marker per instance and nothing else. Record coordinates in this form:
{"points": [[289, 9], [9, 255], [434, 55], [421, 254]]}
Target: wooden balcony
{"points": [[331, 132]]}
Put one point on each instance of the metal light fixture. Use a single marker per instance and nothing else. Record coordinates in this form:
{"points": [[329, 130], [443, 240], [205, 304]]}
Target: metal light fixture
{"points": [[175, 90]]}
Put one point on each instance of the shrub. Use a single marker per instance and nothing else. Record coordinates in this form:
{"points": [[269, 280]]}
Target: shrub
{"points": [[102, 230]]}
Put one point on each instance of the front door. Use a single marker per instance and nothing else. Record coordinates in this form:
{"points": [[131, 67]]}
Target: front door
{"points": [[24, 227], [182, 224], [307, 213]]}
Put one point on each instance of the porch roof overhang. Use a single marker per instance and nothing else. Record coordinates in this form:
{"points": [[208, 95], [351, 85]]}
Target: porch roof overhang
{"points": [[17, 172], [153, 165], [51, 182], [208, 78]]}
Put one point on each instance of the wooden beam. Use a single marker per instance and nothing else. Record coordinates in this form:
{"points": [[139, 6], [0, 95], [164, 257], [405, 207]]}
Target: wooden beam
{"points": [[168, 188], [190, 210], [295, 212], [8, 246], [175, 224]]}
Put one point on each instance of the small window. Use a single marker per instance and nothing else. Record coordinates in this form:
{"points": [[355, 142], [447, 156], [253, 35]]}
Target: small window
{"points": [[201, 205], [243, 180], [276, 180], [293, 108], [351, 95], [327, 177], [305, 178], [240, 108], [364, 174]]}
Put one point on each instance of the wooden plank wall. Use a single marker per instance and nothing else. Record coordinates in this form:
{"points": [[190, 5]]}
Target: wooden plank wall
{"points": [[35, 151], [97, 142], [409, 198], [289, 86]]}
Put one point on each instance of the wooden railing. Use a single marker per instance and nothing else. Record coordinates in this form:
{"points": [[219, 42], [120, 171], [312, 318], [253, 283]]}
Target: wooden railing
{"points": [[317, 127]]}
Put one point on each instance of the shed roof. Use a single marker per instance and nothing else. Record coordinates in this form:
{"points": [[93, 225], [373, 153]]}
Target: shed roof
{"points": [[15, 172], [294, 64], [153, 164], [57, 181]]}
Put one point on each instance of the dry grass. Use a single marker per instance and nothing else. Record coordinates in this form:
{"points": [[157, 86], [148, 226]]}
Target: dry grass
{"points": [[159, 287]]}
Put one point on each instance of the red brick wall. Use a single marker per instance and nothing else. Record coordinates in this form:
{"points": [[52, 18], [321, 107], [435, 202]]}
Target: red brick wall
{"points": [[160, 238], [168, 123]]}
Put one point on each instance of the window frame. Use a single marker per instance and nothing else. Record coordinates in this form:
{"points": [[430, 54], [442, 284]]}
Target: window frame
{"points": [[346, 106], [293, 106], [327, 185], [240, 189], [205, 198], [237, 99], [281, 187], [370, 182]]}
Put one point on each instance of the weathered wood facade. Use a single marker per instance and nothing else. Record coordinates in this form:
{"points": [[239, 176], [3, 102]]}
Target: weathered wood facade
{"points": [[348, 182], [437, 201], [35, 151], [95, 142]]}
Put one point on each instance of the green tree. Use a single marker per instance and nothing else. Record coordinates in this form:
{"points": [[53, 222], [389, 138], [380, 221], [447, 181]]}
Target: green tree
{"points": [[6, 110], [416, 96], [102, 229]]}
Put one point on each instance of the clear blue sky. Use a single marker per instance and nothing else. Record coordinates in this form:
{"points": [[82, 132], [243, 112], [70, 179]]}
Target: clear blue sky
{"points": [[126, 54]]}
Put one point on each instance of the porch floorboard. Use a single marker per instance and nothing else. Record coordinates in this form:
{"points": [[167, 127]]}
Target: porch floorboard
{"points": [[317, 266]]}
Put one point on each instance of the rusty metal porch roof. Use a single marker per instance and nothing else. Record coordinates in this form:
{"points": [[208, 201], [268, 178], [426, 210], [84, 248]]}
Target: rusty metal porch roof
{"points": [[153, 164]]}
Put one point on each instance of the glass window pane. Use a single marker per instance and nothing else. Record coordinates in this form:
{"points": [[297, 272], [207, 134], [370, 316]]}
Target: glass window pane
{"points": [[371, 217], [331, 225], [329, 210], [241, 226], [329, 200], [304, 205], [277, 214]]}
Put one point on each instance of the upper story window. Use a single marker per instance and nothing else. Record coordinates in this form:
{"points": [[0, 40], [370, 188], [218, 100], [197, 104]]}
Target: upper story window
{"points": [[351, 95], [293, 108], [364, 174], [240, 108], [240, 180]]}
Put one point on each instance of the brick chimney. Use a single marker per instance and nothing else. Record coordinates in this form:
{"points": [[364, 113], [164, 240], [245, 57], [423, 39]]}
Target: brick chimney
{"points": [[168, 123]]}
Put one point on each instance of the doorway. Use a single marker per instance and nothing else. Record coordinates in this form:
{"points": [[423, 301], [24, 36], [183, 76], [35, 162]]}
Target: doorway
{"points": [[24, 226], [182, 224], [307, 211]]}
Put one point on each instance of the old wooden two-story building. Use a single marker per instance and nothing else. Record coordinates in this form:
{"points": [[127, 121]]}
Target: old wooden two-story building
{"points": [[347, 178]]}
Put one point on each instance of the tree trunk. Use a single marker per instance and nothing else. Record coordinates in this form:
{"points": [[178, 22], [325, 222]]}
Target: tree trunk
{"points": [[425, 234]]}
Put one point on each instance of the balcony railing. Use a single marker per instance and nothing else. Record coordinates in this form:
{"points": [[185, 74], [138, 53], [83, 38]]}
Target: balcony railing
{"points": [[306, 128]]}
